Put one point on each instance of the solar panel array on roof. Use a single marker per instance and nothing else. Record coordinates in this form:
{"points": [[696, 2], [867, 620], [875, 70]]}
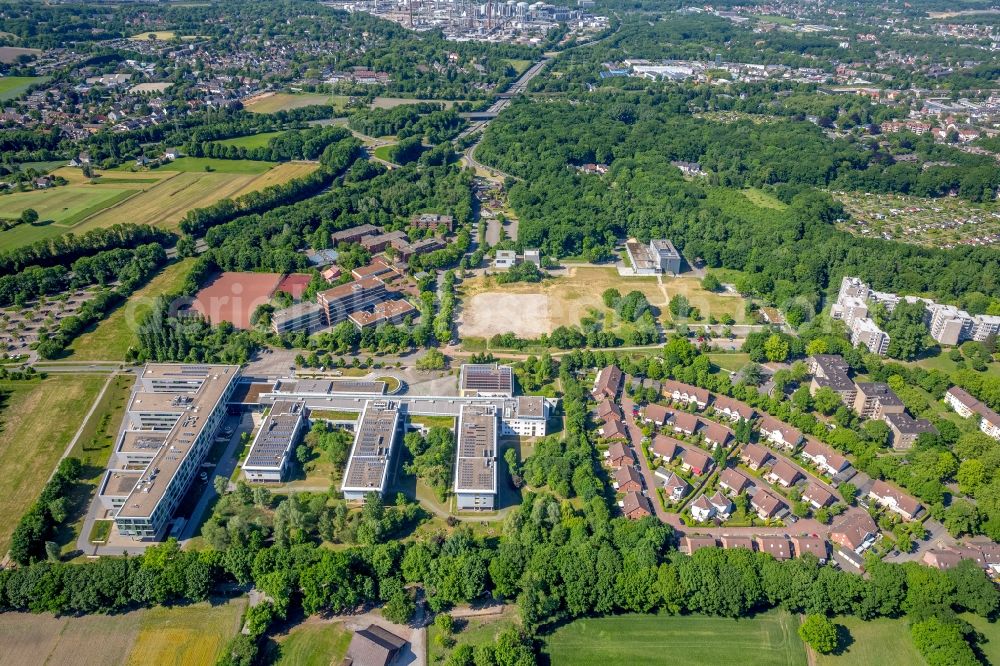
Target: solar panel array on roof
{"points": [[374, 438], [487, 378], [277, 435], [475, 469]]}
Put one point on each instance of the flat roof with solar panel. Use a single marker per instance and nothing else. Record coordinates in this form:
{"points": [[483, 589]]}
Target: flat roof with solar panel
{"points": [[374, 441], [486, 380], [475, 465], [278, 435]]}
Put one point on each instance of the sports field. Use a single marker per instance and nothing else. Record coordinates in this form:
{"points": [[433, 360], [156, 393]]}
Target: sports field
{"points": [[564, 300], [880, 642], [37, 422], [251, 141], [113, 335], [190, 635], [12, 86], [769, 639], [313, 643], [272, 103]]}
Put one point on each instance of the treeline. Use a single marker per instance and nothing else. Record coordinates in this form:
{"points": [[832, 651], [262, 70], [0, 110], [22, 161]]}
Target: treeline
{"points": [[125, 265], [341, 151], [306, 144], [64, 249], [430, 120], [32, 536], [129, 268]]}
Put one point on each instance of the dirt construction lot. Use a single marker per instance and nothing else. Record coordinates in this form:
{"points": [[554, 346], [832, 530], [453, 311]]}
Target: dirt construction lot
{"points": [[530, 309]]}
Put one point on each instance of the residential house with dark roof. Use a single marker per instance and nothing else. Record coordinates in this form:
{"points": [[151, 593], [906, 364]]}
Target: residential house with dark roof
{"points": [[373, 646], [684, 422], [754, 456], [734, 481], [784, 474], [665, 447], [854, 531], [609, 383], [811, 544], [690, 544], [674, 487], [766, 504], [818, 496], [619, 454], [825, 458], [607, 409], [831, 371], [695, 461], [734, 410], [904, 430], [627, 480], [681, 392], [895, 500], [875, 399], [702, 510], [779, 433], [777, 547], [636, 506], [657, 414]]}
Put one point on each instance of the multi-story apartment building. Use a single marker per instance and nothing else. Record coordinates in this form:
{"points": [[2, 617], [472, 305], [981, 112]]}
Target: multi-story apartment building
{"points": [[830, 371], [874, 400], [171, 420]]}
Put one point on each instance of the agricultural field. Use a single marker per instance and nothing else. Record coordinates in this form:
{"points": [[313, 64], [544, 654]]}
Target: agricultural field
{"points": [[37, 422], [941, 223], [250, 141], [113, 335], [879, 642], [769, 639], [12, 86], [274, 102], [564, 300], [190, 635], [312, 643], [160, 197]]}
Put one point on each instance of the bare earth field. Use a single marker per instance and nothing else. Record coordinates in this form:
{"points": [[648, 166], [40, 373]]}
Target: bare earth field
{"points": [[529, 309]]}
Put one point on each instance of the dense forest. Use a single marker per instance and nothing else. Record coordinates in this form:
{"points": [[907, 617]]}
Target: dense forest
{"points": [[787, 252]]}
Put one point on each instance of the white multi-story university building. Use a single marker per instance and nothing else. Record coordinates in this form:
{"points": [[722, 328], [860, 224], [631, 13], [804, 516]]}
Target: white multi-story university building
{"points": [[172, 418], [271, 452], [476, 458]]}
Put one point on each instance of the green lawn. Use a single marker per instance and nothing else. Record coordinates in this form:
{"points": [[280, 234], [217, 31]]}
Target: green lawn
{"points": [[37, 422], [12, 86], [433, 421], [251, 141], [314, 644], [880, 642], [222, 166], [767, 639], [991, 630], [382, 152], [112, 337], [731, 362], [763, 199], [520, 66]]}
